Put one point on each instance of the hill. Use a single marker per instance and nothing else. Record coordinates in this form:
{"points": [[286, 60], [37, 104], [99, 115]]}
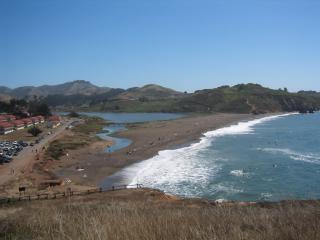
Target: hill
{"points": [[70, 88], [245, 98], [241, 98], [149, 92]]}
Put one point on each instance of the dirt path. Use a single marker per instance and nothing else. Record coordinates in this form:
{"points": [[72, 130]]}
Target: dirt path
{"points": [[27, 156]]}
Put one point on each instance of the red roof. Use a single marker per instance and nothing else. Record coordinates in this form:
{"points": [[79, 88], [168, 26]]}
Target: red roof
{"points": [[40, 117], [26, 120], [3, 118], [55, 118], [8, 117], [11, 116], [18, 122], [6, 125]]}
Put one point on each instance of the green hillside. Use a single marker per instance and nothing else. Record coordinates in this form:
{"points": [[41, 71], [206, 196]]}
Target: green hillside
{"points": [[242, 98]]}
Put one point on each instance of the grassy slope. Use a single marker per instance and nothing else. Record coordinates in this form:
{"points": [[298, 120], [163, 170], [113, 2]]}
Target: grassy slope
{"points": [[148, 216], [243, 98], [248, 98]]}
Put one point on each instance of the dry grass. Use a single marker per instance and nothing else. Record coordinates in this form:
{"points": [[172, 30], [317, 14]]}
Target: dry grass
{"points": [[58, 148], [116, 218]]}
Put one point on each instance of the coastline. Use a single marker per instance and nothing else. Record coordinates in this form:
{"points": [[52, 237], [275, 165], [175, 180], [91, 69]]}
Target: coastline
{"points": [[131, 174], [147, 140]]}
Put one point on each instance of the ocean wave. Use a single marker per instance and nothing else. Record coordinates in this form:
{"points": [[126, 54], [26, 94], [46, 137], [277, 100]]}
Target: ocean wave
{"points": [[185, 171], [239, 173], [265, 196], [226, 189], [294, 155], [243, 127]]}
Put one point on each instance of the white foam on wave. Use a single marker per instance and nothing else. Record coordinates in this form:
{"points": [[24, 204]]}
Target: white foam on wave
{"points": [[239, 173], [176, 170], [294, 155], [266, 196], [243, 127]]}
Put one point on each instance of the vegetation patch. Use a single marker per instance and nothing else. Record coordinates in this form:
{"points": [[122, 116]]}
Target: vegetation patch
{"points": [[91, 125], [83, 134], [58, 148]]}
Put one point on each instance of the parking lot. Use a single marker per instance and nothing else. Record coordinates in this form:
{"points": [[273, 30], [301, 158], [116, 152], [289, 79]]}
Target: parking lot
{"points": [[9, 149]]}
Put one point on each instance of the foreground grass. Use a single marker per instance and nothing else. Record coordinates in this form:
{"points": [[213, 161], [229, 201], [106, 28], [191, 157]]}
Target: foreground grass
{"points": [[114, 218]]}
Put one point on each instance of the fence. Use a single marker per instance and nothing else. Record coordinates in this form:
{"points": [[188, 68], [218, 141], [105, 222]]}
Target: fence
{"points": [[69, 193]]}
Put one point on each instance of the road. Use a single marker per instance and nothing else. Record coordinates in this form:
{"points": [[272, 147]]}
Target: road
{"points": [[26, 157]]}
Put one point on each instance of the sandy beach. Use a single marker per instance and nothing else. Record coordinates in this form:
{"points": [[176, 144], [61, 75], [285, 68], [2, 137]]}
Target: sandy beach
{"points": [[90, 165]]}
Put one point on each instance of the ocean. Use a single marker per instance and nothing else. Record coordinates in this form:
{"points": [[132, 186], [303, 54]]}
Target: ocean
{"points": [[268, 159]]}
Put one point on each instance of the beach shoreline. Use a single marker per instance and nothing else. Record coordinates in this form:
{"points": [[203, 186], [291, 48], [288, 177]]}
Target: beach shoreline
{"points": [[147, 140]]}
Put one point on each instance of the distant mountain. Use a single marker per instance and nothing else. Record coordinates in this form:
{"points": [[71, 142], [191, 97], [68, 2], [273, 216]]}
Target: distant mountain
{"points": [[241, 98], [85, 88], [310, 93], [246, 98], [70, 88], [4, 97], [149, 92]]}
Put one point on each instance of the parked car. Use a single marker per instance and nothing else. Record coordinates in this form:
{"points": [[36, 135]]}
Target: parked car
{"points": [[9, 149]]}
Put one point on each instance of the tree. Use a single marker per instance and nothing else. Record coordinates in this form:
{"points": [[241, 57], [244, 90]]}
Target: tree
{"points": [[37, 108], [34, 131]]}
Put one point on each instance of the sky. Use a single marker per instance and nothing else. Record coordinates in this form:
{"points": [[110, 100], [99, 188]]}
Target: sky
{"points": [[181, 44]]}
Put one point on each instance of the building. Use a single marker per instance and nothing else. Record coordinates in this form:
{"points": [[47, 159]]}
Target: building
{"points": [[7, 118], [54, 121], [27, 122], [3, 118], [35, 120], [40, 118], [18, 124], [6, 127], [10, 118]]}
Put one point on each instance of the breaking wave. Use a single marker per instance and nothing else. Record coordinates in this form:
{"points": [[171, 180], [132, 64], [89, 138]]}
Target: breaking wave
{"points": [[239, 173], [305, 157], [184, 171]]}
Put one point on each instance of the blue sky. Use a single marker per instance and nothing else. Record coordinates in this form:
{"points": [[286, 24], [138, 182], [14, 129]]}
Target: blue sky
{"points": [[182, 44]]}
